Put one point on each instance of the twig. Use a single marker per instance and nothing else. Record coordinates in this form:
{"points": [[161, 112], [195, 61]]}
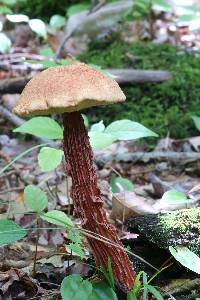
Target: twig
{"points": [[14, 189], [70, 34], [10, 116], [180, 157], [36, 250]]}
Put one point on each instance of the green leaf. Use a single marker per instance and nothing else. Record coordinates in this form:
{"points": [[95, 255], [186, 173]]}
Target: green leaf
{"points": [[17, 18], [126, 184], [58, 218], [49, 158], [174, 197], [99, 127], [5, 43], [48, 52], [162, 5], [44, 127], [9, 2], [187, 258], [155, 292], [5, 10], [86, 120], [74, 236], [196, 122], [101, 291], [100, 140], [128, 130], [108, 274], [39, 27], [35, 198], [77, 8], [73, 287], [57, 21], [78, 249], [10, 232]]}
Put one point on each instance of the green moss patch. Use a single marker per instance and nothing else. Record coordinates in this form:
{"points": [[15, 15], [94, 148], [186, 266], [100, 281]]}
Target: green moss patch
{"points": [[165, 107]]}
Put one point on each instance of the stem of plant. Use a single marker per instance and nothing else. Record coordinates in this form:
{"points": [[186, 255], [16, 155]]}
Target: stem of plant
{"points": [[36, 249]]}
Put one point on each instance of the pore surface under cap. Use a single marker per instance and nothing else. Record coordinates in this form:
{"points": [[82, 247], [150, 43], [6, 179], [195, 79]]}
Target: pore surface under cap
{"points": [[66, 89]]}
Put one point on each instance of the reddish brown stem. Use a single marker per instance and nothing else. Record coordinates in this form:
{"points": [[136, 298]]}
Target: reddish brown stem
{"points": [[88, 202]]}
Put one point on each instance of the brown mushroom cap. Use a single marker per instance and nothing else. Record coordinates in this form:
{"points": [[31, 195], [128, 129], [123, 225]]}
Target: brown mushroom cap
{"points": [[66, 89]]}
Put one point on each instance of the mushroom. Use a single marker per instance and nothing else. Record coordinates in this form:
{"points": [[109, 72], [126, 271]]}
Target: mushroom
{"points": [[67, 90]]}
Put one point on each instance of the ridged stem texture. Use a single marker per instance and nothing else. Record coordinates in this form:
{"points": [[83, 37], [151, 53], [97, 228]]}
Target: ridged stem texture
{"points": [[88, 202]]}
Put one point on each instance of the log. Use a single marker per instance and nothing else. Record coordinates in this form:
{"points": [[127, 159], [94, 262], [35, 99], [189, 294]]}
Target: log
{"points": [[123, 76], [179, 228], [174, 157], [13, 85]]}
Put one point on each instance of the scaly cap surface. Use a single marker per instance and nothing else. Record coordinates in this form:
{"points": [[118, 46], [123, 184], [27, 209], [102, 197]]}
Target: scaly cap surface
{"points": [[66, 89]]}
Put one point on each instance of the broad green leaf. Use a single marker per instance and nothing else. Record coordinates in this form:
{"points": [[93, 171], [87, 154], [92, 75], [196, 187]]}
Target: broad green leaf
{"points": [[5, 43], [10, 232], [174, 197], [73, 287], [9, 2], [85, 119], [155, 292], [187, 258], [162, 5], [5, 10], [48, 52], [58, 218], [99, 127], [74, 236], [49, 158], [100, 140], [44, 127], [77, 8], [39, 27], [117, 182], [78, 249], [128, 130], [101, 291], [17, 18], [57, 21], [188, 18], [35, 198], [196, 122]]}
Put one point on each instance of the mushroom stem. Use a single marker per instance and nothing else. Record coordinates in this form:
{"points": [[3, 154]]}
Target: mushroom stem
{"points": [[88, 202]]}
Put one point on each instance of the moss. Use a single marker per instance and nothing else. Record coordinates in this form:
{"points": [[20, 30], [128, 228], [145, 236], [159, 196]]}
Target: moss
{"points": [[44, 9], [183, 221], [165, 107], [181, 227]]}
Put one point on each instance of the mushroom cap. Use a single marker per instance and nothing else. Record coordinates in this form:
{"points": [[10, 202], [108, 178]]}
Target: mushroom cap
{"points": [[67, 89]]}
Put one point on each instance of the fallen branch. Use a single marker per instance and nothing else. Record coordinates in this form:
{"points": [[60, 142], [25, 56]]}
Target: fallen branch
{"points": [[4, 112], [71, 33], [175, 157], [13, 85], [16, 85], [139, 76]]}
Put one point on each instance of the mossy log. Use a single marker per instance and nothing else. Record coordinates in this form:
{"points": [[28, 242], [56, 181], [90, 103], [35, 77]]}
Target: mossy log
{"points": [[181, 227]]}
